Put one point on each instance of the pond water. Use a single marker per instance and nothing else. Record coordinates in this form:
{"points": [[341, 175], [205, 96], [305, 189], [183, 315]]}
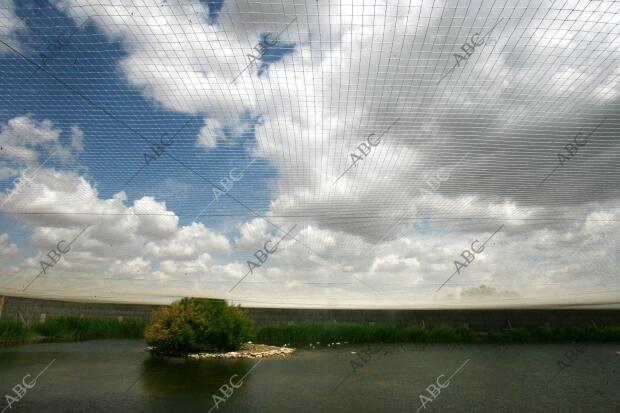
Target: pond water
{"points": [[117, 375]]}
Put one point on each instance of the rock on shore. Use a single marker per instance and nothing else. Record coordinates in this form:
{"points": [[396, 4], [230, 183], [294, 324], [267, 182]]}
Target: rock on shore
{"points": [[247, 350]]}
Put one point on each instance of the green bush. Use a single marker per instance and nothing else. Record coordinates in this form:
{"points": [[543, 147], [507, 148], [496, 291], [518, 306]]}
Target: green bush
{"points": [[198, 324]]}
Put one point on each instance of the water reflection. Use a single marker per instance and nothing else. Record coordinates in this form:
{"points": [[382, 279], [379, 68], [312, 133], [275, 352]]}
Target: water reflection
{"points": [[162, 376]]}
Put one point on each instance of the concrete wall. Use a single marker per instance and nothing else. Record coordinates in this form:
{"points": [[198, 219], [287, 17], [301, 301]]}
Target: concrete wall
{"points": [[30, 310]]}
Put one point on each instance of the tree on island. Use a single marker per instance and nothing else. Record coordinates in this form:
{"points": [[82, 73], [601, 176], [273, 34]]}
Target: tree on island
{"points": [[198, 324]]}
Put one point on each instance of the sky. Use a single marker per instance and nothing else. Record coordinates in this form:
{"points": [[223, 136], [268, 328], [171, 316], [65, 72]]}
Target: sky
{"points": [[375, 154]]}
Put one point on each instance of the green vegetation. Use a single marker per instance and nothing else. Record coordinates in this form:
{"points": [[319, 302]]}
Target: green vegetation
{"points": [[300, 334], [76, 329], [69, 329], [211, 325], [198, 324], [556, 334], [303, 334], [13, 330]]}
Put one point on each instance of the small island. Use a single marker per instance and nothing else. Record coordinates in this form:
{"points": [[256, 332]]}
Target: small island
{"points": [[199, 328]]}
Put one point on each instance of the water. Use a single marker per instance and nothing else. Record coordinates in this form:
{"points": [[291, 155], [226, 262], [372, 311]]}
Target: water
{"points": [[118, 376]]}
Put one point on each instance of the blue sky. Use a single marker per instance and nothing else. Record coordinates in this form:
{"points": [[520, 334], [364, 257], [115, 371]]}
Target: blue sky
{"points": [[132, 73], [90, 67], [88, 64]]}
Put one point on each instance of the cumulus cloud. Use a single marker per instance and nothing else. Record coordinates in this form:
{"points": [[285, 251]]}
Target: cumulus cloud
{"points": [[392, 221], [483, 291], [189, 243], [209, 134], [118, 238], [77, 138], [29, 142], [253, 233], [10, 24], [21, 135], [7, 250]]}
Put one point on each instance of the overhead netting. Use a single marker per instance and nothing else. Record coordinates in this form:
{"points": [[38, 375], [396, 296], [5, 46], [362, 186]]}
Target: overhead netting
{"points": [[311, 153]]}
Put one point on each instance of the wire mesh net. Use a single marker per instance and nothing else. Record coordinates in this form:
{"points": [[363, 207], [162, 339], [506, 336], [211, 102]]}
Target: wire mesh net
{"points": [[311, 153]]}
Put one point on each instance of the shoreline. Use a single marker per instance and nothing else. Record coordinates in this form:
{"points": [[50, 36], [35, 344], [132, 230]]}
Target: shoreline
{"points": [[247, 350]]}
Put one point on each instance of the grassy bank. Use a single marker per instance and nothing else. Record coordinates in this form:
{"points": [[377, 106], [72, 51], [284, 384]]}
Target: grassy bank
{"points": [[303, 334], [77, 329], [68, 329]]}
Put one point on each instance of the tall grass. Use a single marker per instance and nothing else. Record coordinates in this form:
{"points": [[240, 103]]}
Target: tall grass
{"points": [[302, 334], [556, 334], [299, 334], [13, 329], [70, 329], [75, 328]]}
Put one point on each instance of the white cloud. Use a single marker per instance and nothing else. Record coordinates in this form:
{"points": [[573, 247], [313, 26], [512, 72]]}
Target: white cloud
{"points": [[9, 24], [210, 133], [26, 131], [510, 106], [188, 243], [118, 237], [137, 266], [25, 139], [7, 250], [77, 138], [21, 135], [152, 224]]}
